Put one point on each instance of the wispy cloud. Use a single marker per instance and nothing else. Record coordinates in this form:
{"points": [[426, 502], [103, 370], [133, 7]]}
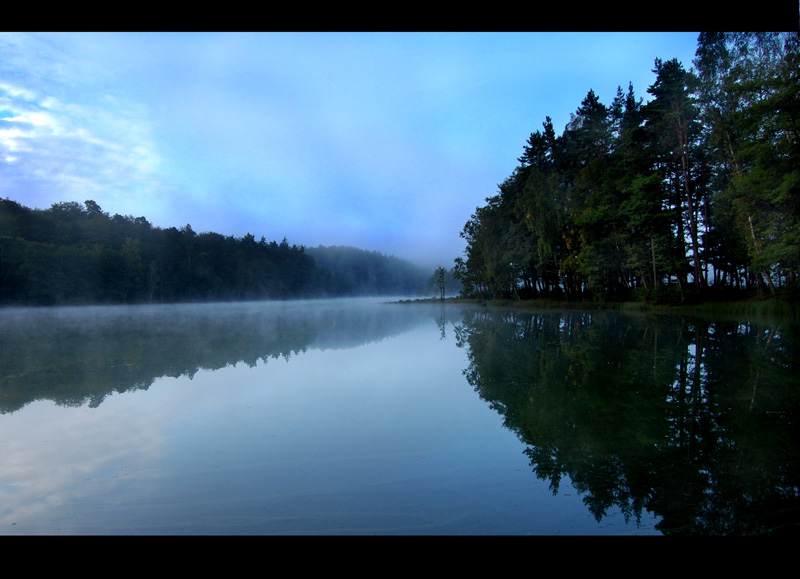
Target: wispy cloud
{"points": [[54, 147]]}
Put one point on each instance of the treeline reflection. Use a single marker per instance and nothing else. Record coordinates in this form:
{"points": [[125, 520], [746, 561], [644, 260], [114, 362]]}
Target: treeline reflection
{"points": [[77, 356], [695, 421]]}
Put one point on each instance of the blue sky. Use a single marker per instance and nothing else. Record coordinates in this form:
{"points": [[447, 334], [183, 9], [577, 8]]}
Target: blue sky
{"points": [[383, 141]]}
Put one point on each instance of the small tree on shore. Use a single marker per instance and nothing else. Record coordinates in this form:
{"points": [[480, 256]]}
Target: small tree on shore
{"points": [[438, 280]]}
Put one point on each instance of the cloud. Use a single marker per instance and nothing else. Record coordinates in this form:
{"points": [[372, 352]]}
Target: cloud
{"points": [[59, 142], [72, 150]]}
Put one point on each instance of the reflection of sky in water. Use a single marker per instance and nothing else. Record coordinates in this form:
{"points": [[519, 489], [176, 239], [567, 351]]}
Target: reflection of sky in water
{"points": [[386, 437], [55, 456]]}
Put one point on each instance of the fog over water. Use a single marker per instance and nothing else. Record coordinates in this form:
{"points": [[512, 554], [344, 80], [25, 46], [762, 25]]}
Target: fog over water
{"points": [[358, 416]]}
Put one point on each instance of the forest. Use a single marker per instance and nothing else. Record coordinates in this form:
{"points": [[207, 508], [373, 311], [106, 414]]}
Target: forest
{"points": [[692, 196], [72, 253]]}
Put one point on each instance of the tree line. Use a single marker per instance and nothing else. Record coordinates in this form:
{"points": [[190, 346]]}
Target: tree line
{"points": [[76, 253], [362, 272], [692, 195]]}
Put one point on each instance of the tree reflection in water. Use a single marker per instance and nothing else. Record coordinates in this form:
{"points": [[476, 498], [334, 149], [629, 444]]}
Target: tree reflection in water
{"points": [[692, 420]]}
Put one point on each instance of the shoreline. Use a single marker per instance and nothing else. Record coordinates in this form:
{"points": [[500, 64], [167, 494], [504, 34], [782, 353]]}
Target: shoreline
{"points": [[765, 307]]}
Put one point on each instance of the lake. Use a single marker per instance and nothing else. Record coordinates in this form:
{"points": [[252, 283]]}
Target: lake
{"points": [[362, 417]]}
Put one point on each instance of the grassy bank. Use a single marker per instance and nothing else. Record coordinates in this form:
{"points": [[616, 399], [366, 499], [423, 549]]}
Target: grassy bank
{"points": [[767, 307]]}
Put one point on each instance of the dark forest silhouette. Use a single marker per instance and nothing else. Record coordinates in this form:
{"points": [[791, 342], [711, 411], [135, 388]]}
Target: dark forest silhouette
{"points": [[693, 195], [76, 253]]}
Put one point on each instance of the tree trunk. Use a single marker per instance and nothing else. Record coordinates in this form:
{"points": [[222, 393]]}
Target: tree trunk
{"points": [[683, 143]]}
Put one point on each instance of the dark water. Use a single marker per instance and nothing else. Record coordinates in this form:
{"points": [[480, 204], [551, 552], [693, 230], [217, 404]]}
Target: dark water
{"points": [[361, 417]]}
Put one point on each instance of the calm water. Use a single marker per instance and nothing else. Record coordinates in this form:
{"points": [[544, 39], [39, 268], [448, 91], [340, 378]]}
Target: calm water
{"points": [[362, 417]]}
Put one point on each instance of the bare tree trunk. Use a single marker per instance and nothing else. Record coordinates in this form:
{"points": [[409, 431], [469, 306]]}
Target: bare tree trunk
{"points": [[683, 143], [653, 253], [757, 250]]}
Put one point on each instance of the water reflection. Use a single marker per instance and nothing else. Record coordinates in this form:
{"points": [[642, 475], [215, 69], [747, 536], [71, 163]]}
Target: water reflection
{"points": [[345, 417], [75, 356], [693, 420], [367, 422]]}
